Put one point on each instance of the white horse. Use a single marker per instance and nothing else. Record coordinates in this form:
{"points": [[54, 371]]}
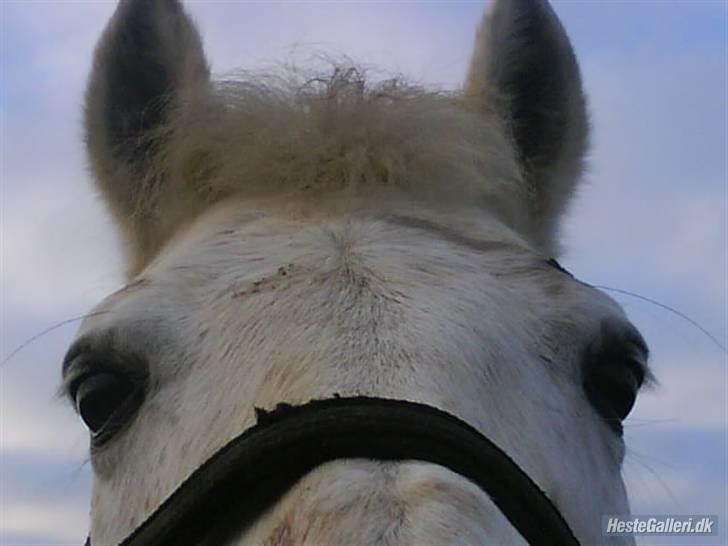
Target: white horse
{"points": [[293, 237]]}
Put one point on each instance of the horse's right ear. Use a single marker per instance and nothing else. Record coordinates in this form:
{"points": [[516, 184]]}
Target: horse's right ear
{"points": [[149, 55], [524, 70]]}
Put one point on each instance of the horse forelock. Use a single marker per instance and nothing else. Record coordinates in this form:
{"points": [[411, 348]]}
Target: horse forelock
{"points": [[298, 134]]}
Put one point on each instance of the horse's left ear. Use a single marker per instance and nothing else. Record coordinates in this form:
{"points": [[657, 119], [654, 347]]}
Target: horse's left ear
{"points": [[524, 69]]}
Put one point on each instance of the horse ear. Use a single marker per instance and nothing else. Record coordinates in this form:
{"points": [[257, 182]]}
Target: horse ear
{"points": [[525, 70], [148, 56]]}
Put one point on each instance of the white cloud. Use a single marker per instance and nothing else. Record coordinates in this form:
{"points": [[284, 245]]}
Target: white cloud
{"points": [[656, 201], [688, 395], [58, 252], [30, 424], [66, 523]]}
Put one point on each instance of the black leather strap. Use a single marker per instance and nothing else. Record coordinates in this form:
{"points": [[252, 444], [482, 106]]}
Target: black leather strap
{"points": [[231, 489]]}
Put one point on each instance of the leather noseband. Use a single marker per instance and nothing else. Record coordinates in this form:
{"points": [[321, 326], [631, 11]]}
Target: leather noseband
{"points": [[244, 478]]}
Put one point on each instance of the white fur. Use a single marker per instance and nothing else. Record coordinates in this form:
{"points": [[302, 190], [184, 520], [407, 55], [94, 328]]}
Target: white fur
{"points": [[259, 297]]}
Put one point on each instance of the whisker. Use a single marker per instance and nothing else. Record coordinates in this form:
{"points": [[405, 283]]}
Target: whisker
{"points": [[645, 463], [668, 308], [634, 422], [48, 330]]}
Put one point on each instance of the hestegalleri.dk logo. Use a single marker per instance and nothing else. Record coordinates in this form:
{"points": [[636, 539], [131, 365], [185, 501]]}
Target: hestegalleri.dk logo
{"points": [[659, 525]]}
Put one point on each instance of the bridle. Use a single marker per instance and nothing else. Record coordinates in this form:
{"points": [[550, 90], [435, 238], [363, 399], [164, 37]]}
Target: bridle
{"points": [[244, 478]]}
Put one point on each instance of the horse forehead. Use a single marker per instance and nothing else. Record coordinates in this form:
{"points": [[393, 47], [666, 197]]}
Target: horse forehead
{"points": [[236, 250], [232, 249], [240, 229]]}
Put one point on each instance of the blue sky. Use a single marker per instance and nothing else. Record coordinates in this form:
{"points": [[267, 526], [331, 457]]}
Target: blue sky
{"points": [[652, 217]]}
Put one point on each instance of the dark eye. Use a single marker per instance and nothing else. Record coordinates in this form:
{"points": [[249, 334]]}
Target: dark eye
{"points": [[614, 368], [104, 399]]}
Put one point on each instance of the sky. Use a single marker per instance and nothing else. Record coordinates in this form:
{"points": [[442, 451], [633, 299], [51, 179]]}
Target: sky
{"points": [[651, 217]]}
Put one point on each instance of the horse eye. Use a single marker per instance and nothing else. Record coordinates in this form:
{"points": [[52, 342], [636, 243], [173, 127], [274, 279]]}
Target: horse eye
{"points": [[105, 401], [614, 369]]}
